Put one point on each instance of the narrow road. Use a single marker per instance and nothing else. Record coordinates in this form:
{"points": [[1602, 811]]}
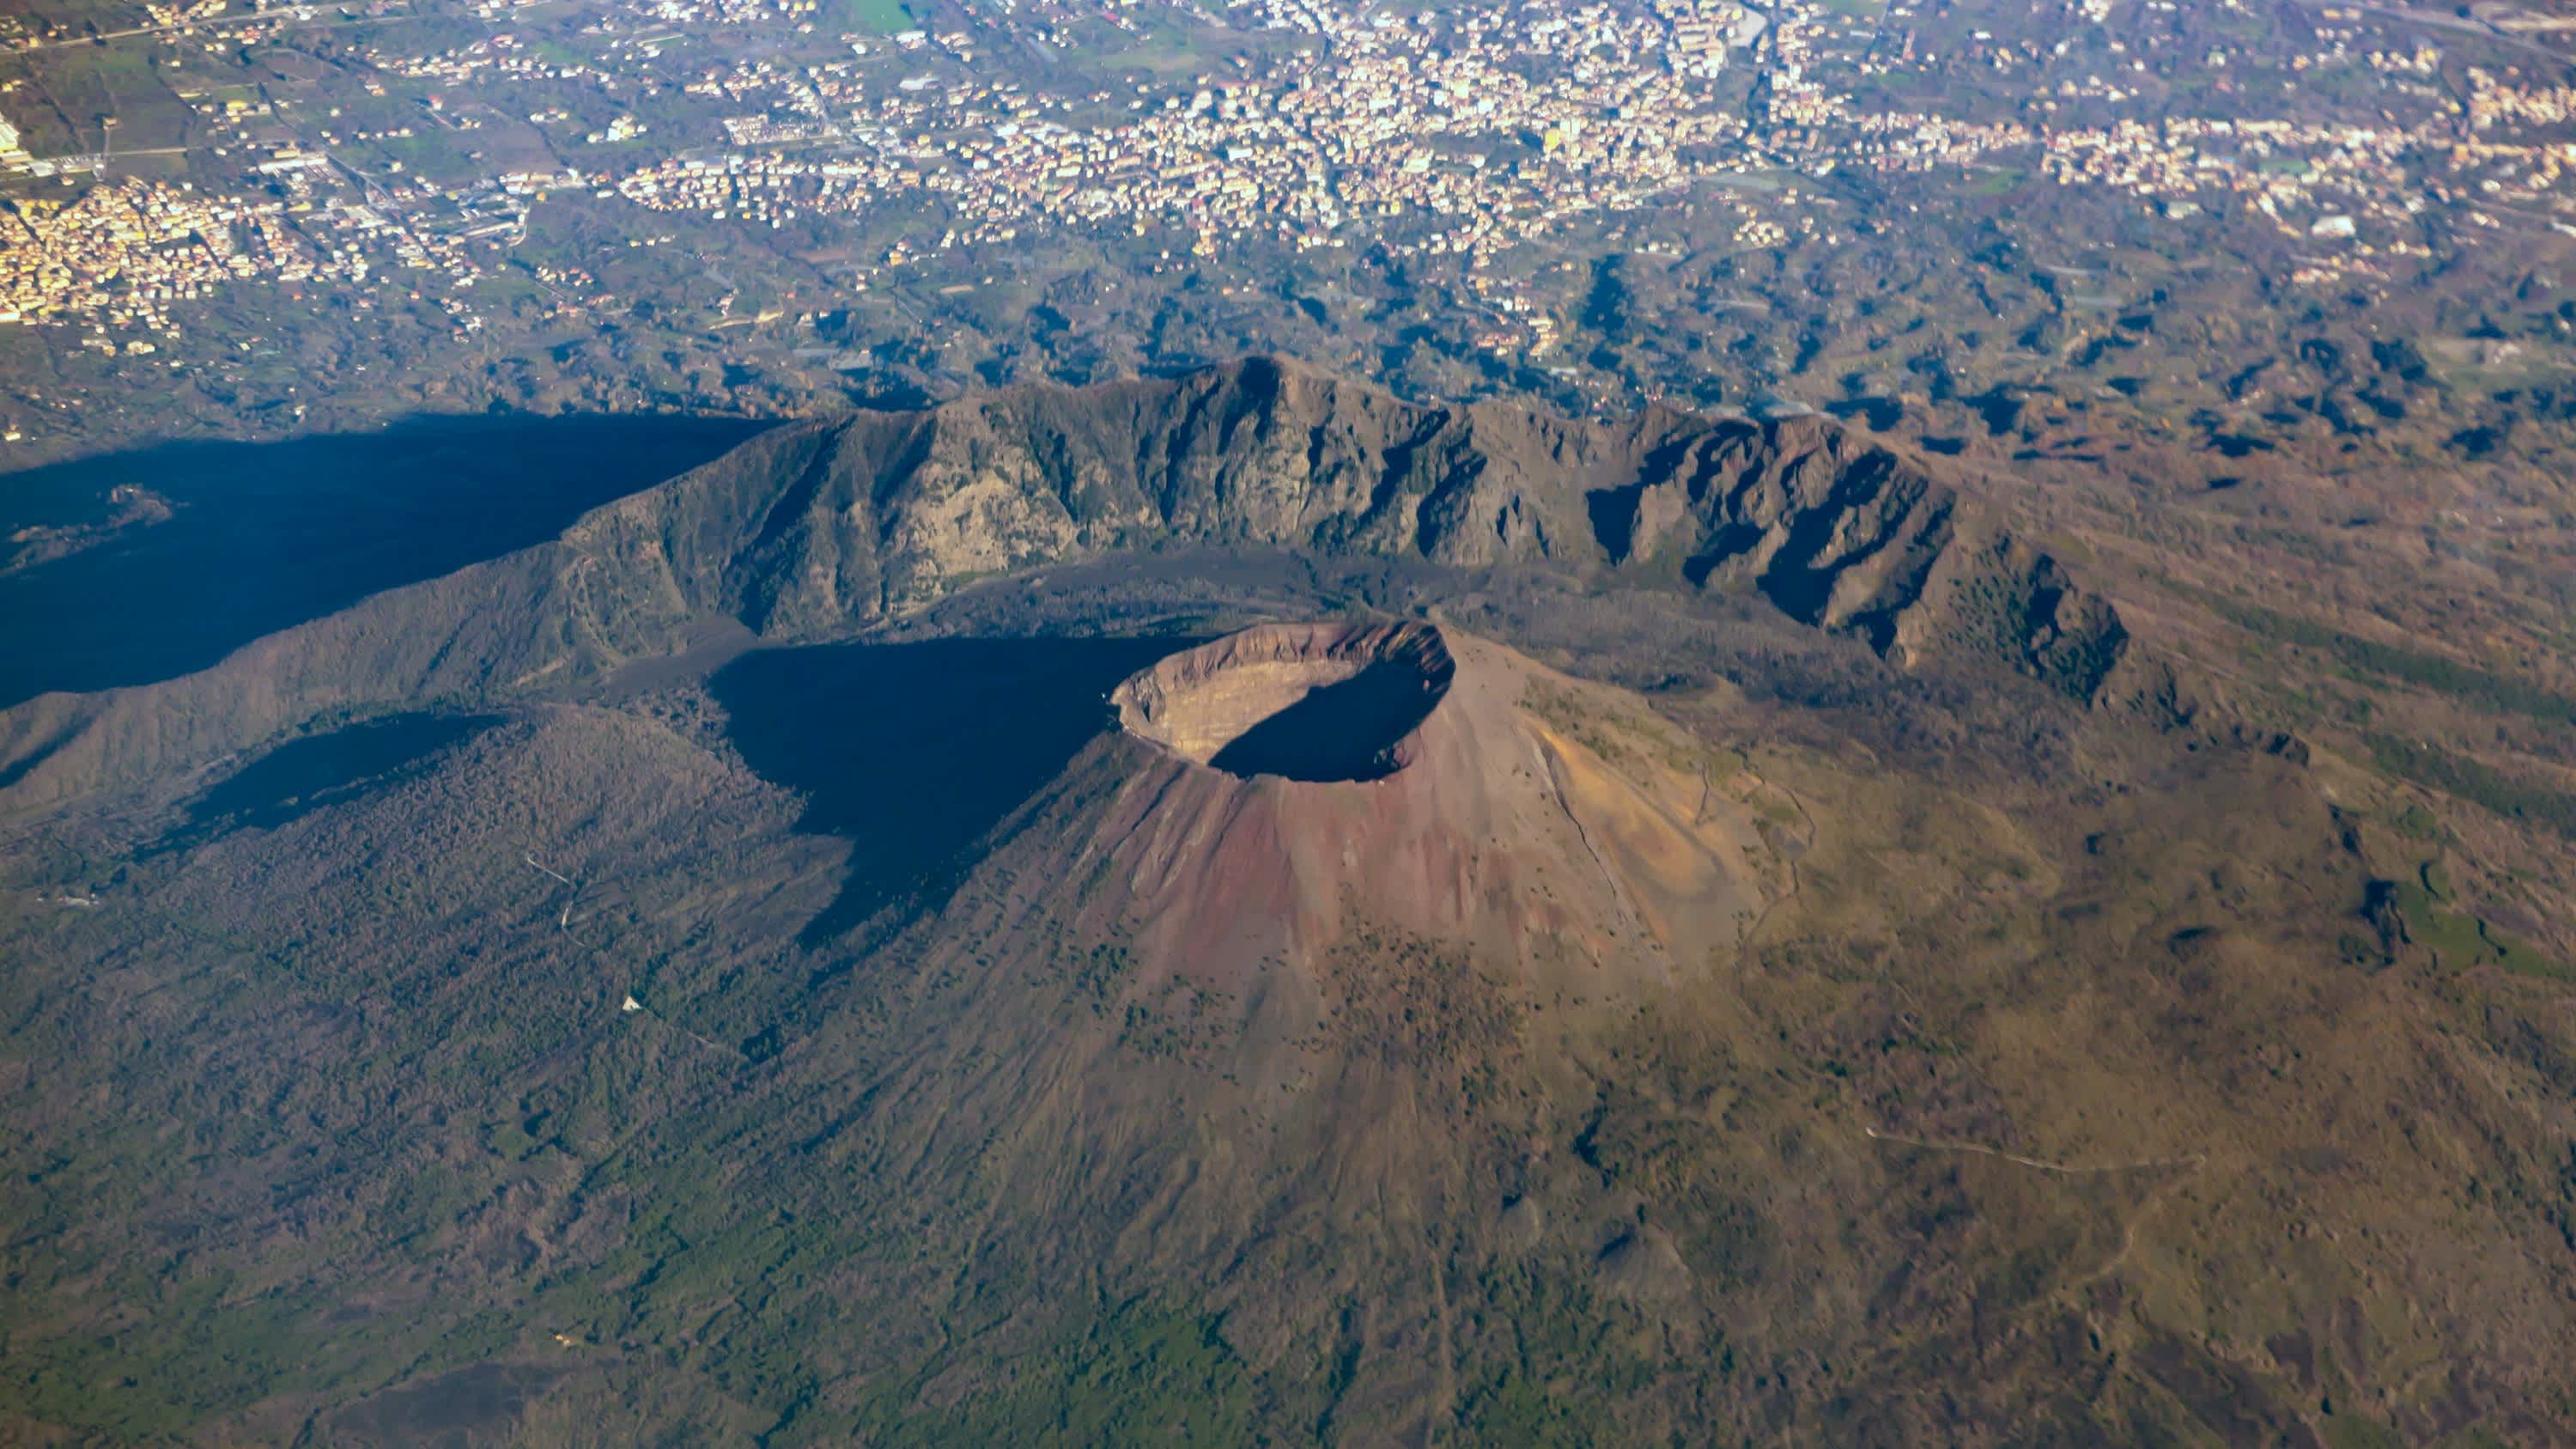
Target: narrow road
{"points": [[2064, 1169], [2448, 20], [564, 921], [205, 21]]}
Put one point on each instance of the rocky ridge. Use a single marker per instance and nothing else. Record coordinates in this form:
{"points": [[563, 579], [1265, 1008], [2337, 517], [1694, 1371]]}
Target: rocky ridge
{"points": [[877, 514], [829, 527]]}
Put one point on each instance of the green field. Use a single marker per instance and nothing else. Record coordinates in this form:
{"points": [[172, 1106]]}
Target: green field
{"points": [[885, 17]]}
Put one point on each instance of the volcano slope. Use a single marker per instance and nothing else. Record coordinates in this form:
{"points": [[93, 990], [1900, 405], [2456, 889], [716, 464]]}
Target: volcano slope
{"points": [[1238, 910]]}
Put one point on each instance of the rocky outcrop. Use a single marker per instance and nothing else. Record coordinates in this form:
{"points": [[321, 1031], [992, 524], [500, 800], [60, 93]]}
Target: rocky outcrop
{"points": [[823, 528], [870, 516]]}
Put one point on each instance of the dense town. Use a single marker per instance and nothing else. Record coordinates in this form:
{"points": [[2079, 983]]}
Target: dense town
{"points": [[1458, 134]]}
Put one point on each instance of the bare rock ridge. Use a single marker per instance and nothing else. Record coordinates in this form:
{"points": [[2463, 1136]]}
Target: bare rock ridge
{"points": [[823, 528], [877, 514]]}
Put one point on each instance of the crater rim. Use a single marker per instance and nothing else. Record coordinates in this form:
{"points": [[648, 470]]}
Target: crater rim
{"points": [[1315, 703]]}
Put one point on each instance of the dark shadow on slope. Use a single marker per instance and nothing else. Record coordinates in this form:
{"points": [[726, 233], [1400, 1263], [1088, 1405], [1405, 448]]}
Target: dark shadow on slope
{"points": [[914, 751], [478, 1404], [302, 776], [260, 537], [1614, 519], [1343, 731]]}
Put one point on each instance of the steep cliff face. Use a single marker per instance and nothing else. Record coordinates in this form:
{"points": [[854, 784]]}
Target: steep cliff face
{"points": [[874, 515], [823, 528]]}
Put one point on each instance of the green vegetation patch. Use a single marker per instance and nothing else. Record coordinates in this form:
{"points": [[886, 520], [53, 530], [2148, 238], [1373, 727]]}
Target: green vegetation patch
{"points": [[1564, 1359], [2462, 940], [1142, 1374], [193, 1358], [886, 17], [2345, 1431], [2481, 688], [2479, 784], [2416, 823]]}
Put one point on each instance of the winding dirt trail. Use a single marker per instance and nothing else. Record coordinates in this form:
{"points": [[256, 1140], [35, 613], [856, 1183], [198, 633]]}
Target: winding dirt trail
{"points": [[563, 922], [2193, 1160]]}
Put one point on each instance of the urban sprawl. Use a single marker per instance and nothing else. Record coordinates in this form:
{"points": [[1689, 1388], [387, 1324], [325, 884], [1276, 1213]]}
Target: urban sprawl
{"points": [[1457, 134]]}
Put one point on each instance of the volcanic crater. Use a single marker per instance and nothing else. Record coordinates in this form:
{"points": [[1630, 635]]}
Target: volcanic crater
{"points": [[1321, 703]]}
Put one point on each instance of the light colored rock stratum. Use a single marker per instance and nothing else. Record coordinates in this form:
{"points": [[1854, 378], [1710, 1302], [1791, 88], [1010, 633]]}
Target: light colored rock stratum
{"points": [[1343, 698]]}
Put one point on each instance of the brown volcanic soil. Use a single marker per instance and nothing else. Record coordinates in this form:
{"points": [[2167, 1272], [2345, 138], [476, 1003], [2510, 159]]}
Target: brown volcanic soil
{"points": [[1461, 1103], [1577, 853], [1469, 1053], [1936, 1051]]}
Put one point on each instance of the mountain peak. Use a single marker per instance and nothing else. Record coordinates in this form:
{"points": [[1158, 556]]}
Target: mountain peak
{"points": [[1332, 777], [1310, 702]]}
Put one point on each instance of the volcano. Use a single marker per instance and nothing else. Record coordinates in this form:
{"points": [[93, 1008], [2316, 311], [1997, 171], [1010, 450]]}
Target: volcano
{"points": [[1284, 785], [1316, 703], [1237, 909]]}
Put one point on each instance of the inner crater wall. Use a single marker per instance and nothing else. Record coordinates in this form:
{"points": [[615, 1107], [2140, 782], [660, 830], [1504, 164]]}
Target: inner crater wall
{"points": [[1304, 701]]}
